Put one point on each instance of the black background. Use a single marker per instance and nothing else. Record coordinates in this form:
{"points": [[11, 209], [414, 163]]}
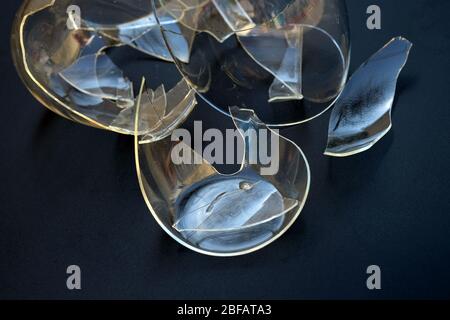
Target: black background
{"points": [[69, 195]]}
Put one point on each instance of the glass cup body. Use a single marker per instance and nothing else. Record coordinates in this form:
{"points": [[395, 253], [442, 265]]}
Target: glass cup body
{"points": [[286, 59]]}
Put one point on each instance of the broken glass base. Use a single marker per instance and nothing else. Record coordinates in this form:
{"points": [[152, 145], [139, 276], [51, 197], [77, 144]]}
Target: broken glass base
{"points": [[218, 214]]}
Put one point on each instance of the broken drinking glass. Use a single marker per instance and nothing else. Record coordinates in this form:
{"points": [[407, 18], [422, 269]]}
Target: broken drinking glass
{"points": [[222, 214], [286, 59], [81, 57]]}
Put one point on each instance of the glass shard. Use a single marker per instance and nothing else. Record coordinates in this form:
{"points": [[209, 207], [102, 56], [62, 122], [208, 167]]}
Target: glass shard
{"points": [[142, 34], [180, 42], [145, 35], [160, 111], [222, 18], [288, 80], [199, 16], [97, 75], [362, 114]]}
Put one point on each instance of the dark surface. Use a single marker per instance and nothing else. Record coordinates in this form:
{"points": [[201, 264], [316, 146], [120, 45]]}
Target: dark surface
{"points": [[69, 195]]}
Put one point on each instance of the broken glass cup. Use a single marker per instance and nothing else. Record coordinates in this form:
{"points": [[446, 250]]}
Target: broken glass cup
{"points": [[285, 59], [222, 214], [81, 58]]}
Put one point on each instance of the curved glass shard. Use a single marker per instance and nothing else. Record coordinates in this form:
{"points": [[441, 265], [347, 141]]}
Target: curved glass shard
{"points": [[217, 214], [287, 84], [133, 23], [127, 22], [286, 33], [96, 75], [234, 14], [160, 111], [362, 114], [145, 35], [199, 15], [142, 34]]}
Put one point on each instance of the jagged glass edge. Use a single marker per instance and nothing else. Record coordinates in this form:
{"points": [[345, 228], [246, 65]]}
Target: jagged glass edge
{"points": [[189, 100]]}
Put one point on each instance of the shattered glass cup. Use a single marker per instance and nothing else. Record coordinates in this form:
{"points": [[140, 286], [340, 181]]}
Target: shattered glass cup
{"points": [[287, 60], [81, 58], [220, 214]]}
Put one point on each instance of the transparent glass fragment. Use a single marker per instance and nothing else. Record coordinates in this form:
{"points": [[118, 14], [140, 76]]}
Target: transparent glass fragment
{"points": [[160, 111], [181, 43], [362, 114], [142, 34], [285, 64], [217, 214], [222, 18], [198, 15], [96, 75], [124, 21], [145, 35]]}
